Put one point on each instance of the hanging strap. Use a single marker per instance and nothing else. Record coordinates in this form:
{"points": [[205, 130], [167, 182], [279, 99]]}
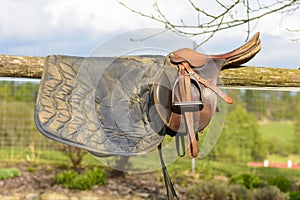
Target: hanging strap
{"points": [[186, 96], [179, 140], [171, 193]]}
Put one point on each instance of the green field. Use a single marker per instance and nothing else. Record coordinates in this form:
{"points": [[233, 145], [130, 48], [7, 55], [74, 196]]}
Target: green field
{"points": [[279, 136], [281, 133]]}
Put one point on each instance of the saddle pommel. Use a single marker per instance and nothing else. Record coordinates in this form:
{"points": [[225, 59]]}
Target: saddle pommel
{"points": [[234, 58]]}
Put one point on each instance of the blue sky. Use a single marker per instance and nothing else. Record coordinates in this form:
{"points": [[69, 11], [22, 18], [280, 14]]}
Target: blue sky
{"points": [[43, 27]]}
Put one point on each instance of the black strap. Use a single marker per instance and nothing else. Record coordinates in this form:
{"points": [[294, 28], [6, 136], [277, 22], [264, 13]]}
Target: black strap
{"points": [[181, 152], [169, 185]]}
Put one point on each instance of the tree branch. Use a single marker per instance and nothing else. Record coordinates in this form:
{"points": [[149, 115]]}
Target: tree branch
{"points": [[215, 22]]}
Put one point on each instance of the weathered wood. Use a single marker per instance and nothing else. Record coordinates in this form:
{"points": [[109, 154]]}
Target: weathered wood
{"points": [[32, 67], [261, 77], [21, 66]]}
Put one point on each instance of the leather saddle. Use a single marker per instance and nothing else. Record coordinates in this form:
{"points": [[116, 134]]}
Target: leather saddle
{"points": [[125, 106], [186, 88]]}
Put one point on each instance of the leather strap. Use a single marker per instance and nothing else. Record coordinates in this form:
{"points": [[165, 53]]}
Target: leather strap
{"points": [[171, 193], [186, 96], [179, 140], [207, 84]]}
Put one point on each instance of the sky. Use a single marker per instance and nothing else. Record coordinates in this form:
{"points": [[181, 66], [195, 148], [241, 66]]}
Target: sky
{"points": [[44, 27]]}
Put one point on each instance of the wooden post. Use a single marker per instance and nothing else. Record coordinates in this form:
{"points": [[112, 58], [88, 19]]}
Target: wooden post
{"points": [[21, 66], [32, 67]]}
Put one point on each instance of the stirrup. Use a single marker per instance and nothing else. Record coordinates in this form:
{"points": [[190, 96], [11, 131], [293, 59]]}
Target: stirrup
{"points": [[189, 104]]}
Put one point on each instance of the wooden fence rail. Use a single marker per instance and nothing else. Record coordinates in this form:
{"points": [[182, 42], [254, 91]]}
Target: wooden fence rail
{"points": [[32, 67]]}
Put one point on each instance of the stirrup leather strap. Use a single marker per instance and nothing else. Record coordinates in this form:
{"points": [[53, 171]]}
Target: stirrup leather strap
{"points": [[186, 96], [207, 84]]}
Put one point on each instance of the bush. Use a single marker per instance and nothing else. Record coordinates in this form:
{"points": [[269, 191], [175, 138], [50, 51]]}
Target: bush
{"points": [[295, 195], [269, 193], [281, 182], [9, 173], [248, 180], [214, 190], [72, 180], [75, 154], [239, 192]]}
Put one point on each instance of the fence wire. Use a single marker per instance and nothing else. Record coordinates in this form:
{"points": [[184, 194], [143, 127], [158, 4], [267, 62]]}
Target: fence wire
{"points": [[19, 138]]}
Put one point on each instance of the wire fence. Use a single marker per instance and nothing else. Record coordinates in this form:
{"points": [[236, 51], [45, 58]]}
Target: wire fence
{"points": [[19, 138]]}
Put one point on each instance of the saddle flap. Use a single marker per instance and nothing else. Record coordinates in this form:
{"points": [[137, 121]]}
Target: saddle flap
{"points": [[99, 104], [165, 93]]}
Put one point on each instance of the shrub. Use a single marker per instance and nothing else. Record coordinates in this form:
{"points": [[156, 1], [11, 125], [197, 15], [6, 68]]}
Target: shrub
{"points": [[269, 193], [214, 190], [248, 180], [295, 195], [281, 182], [239, 192], [72, 180], [75, 154], [9, 173]]}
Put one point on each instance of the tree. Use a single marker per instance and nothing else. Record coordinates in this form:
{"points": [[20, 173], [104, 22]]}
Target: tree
{"points": [[255, 102], [296, 141], [240, 140], [217, 16], [281, 105]]}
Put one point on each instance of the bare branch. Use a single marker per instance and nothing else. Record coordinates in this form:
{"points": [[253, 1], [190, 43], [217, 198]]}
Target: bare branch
{"points": [[208, 22], [294, 39]]}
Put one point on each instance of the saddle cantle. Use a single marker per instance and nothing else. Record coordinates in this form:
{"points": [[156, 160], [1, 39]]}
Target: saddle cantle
{"points": [[125, 106], [234, 58]]}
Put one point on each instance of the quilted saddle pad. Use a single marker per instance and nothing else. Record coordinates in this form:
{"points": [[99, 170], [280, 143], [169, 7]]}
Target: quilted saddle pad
{"points": [[100, 104]]}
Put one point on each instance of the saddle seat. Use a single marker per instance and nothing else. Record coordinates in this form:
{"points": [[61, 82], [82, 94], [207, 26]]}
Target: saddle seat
{"points": [[233, 58]]}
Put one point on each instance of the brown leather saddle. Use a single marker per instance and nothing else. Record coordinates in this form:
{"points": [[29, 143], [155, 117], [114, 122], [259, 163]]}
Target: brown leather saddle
{"points": [[185, 90], [125, 106]]}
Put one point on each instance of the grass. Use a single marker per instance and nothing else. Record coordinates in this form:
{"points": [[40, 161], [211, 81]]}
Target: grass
{"points": [[278, 134], [283, 159], [8, 173], [10, 155], [209, 168]]}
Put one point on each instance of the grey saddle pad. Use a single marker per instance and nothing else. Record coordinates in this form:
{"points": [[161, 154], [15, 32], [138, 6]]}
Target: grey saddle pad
{"points": [[100, 104]]}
